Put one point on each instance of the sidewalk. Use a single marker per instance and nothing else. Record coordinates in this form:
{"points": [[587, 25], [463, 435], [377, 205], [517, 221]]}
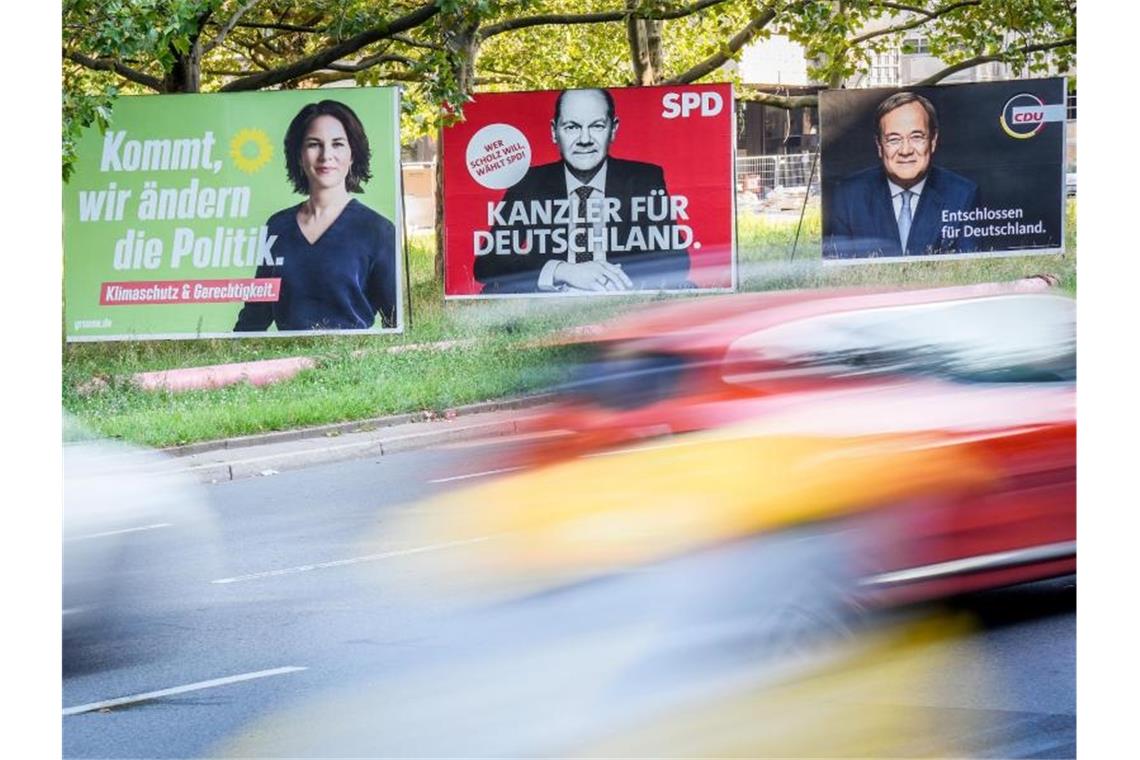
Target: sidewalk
{"points": [[268, 454]]}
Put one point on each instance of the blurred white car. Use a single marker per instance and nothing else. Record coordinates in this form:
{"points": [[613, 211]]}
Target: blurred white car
{"points": [[135, 527]]}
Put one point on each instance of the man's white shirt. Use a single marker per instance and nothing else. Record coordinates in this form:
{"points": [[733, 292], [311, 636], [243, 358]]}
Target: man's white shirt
{"points": [[597, 229], [896, 196]]}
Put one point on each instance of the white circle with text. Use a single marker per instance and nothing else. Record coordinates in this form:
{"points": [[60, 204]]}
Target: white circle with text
{"points": [[498, 156]]}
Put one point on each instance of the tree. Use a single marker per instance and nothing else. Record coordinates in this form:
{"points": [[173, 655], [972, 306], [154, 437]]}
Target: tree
{"points": [[445, 50], [684, 42]]}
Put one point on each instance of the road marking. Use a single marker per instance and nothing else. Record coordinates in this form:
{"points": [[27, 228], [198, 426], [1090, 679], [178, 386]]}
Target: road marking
{"points": [[507, 440], [350, 561], [118, 532], [474, 475], [179, 690]]}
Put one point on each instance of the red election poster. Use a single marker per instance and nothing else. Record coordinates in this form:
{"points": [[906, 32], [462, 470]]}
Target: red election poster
{"points": [[590, 191]]}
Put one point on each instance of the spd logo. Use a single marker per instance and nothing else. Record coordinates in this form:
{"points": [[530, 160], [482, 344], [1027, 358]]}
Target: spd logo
{"points": [[681, 104], [1024, 115]]}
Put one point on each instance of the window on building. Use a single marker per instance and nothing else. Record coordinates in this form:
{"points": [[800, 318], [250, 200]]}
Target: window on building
{"points": [[884, 70], [916, 46]]}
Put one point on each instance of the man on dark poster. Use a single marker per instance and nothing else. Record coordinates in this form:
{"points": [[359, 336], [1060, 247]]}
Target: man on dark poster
{"points": [[589, 222], [896, 209]]}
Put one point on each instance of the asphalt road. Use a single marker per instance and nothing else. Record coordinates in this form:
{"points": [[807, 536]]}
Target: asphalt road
{"points": [[295, 624]]}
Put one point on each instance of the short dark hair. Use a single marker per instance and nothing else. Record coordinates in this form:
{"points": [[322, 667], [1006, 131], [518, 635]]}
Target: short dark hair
{"points": [[358, 173], [900, 99], [605, 94]]}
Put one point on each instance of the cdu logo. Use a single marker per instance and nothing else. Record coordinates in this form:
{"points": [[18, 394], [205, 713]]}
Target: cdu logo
{"points": [[1024, 115]]}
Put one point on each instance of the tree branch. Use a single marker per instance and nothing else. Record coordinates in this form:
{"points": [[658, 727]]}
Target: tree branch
{"points": [[928, 16], [391, 76], [904, 8], [332, 54], [114, 66], [370, 61], [251, 53], [511, 25], [406, 40], [227, 27], [281, 27], [508, 76], [969, 63], [718, 59], [779, 101], [548, 19]]}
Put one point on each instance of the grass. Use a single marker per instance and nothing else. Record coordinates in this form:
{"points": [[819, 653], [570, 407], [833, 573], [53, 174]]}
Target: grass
{"points": [[349, 385], [339, 388]]}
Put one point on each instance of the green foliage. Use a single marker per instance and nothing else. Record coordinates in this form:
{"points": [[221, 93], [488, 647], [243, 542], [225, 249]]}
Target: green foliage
{"points": [[463, 47], [840, 38], [135, 30], [79, 111]]}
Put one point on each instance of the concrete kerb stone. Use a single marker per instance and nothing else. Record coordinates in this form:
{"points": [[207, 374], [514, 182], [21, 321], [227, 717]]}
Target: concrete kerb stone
{"points": [[245, 468], [260, 464], [358, 426]]}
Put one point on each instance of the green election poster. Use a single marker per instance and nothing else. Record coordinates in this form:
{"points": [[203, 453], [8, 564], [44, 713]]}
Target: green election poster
{"points": [[230, 215]]}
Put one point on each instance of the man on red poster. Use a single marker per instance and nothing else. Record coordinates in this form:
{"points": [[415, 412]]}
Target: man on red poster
{"points": [[589, 222]]}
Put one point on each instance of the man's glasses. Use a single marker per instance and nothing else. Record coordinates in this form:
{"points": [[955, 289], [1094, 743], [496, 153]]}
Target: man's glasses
{"points": [[916, 140]]}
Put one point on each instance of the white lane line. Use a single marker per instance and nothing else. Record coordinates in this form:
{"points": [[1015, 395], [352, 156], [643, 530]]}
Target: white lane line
{"points": [[474, 475], [179, 690], [350, 561], [118, 532], [506, 440]]}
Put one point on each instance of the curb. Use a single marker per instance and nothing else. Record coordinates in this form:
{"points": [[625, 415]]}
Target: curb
{"points": [[269, 464], [359, 426]]}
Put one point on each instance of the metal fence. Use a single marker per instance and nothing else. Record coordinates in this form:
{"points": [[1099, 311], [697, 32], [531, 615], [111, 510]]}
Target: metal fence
{"points": [[776, 184], [763, 174]]}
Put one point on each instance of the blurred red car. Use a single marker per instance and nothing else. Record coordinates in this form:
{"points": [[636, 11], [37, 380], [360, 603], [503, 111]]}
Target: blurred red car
{"points": [[988, 371], [682, 563]]}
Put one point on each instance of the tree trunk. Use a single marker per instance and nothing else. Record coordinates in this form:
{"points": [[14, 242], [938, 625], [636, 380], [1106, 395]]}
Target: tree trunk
{"points": [[186, 73], [653, 45], [835, 81], [638, 55], [439, 206], [644, 37], [465, 46]]}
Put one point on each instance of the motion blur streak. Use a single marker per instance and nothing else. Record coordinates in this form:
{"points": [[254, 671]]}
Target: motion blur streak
{"points": [[636, 677], [710, 586], [135, 528], [849, 707], [575, 520]]}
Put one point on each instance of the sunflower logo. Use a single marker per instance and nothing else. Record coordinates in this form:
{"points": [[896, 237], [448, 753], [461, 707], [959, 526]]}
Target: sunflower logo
{"points": [[250, 150]]}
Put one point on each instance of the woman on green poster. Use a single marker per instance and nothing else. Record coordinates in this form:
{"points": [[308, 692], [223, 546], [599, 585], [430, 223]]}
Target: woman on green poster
{"points": [[335, 256]]}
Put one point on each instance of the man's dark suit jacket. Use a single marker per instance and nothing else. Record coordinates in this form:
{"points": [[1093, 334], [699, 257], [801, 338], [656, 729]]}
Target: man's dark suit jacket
{"points": [[861, 218], [513, 272]]}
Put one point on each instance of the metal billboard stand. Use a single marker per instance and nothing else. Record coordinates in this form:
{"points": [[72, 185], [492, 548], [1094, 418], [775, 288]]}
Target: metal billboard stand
{"points": [[803, 208]]}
